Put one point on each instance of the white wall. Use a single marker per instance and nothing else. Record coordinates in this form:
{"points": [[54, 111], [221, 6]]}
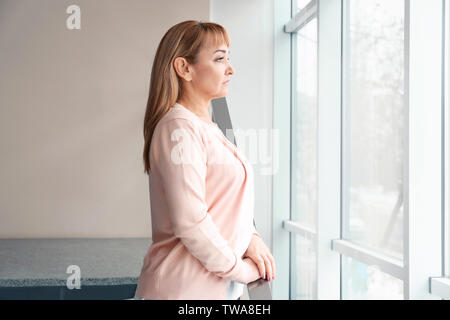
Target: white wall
{"points": [[72, 104], [250, 95]]}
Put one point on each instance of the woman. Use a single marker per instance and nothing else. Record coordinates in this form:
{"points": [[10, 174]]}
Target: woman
{"points": [[204, 245]]}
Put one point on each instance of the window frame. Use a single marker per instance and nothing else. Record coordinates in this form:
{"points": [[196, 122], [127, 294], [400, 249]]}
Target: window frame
{"points": [[423, 203], [281, 122], [440, 285], [422, 268], [299, 21], [328, 212]]}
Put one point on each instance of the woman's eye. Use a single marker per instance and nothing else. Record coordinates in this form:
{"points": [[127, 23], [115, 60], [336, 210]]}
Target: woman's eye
{"points": [[221, 58]]}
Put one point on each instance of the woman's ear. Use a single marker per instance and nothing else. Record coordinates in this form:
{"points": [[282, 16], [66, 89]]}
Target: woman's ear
{"points": [[181, 67]]}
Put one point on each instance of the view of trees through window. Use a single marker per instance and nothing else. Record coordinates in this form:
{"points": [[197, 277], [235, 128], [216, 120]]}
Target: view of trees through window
{"points": [[374, 123], [373, 145], [373, 142], [374, 116], [304, 160]]}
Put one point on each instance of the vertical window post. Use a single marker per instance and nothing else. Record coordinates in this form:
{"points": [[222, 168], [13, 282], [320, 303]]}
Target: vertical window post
{"points": [[281, 122], [422, 224], [329, 148]]}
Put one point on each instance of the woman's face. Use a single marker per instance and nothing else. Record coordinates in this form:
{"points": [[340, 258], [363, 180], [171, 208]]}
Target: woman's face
{"points": [[212, 71]]}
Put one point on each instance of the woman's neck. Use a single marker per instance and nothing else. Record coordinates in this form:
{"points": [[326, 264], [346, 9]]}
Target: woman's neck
{"points": [[198, 108]]}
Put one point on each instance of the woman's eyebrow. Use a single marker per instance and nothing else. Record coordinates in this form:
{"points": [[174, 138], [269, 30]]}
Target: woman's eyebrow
{"points": [[221, 51]]}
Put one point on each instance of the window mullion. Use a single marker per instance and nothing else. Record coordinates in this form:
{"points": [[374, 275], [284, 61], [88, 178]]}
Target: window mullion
{"points": [[328, 147], [281, 123], [422, 245]]}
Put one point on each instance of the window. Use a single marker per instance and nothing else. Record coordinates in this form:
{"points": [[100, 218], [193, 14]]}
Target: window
{"points": [[374, 108], [363, 282], [373, 141], [304, 159], [300, 4], [304, 127], [367, 149], [304, 273]]}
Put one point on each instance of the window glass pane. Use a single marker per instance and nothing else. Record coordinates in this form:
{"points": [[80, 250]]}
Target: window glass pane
{"points": [[301, 4], [363, 282], [303, 276], [374, 115], [304, 127]]}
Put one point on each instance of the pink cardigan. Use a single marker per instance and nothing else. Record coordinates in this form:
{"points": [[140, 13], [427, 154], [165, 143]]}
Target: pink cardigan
{"points": [[202, 200]]}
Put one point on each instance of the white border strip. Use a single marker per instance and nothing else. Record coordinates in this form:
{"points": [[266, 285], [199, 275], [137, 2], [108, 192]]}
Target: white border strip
{"points": [[389, 265], [302, 17]]}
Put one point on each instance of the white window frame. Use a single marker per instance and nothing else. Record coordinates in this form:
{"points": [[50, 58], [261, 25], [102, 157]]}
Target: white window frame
{"points": [[440, 286], [281, 122], [423, 207], [328, 153], [422, 267]]}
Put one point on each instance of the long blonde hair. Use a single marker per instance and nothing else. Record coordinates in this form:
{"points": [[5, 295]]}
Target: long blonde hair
{"points": [[184, 39]]}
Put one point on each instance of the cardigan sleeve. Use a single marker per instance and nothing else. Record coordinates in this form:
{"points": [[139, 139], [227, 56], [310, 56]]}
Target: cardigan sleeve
{"points": [[180, 157]]}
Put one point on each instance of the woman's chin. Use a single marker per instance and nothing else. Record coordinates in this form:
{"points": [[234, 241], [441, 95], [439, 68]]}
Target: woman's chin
{"points": [[224, 93]]}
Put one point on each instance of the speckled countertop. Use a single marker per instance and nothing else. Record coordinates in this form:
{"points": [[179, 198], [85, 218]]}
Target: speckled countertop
{"points": [[44, 262]]}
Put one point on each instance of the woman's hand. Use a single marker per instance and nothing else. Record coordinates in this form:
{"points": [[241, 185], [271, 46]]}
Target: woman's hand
{"points": [[253, 275], [260, 254]]}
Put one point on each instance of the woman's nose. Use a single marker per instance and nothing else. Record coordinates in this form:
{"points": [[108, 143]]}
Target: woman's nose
{"points": [[230, 69]]}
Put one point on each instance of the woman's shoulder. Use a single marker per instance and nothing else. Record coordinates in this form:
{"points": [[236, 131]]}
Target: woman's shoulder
{"points": [[176, 123], [179, 117]]}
